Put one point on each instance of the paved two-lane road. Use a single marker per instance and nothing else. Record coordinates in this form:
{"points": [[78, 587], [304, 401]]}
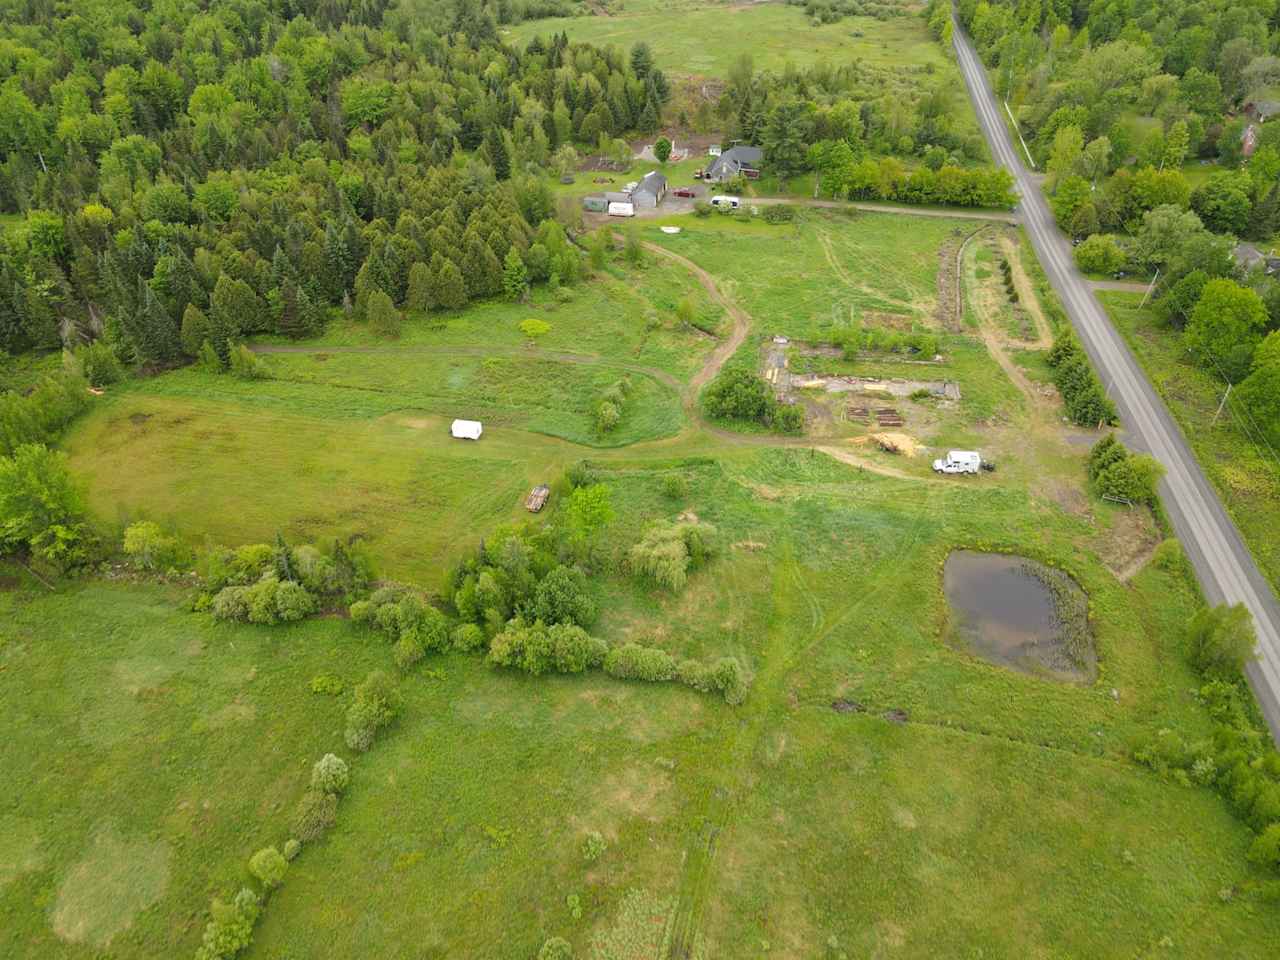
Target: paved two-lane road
{"points": [[1222, 563]]}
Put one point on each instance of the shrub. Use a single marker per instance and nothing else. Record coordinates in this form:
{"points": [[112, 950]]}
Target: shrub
{"points": [[779, 213], [593, 846], [562, 596], [293, 602], [536, 648], [376, 704], [729, 679], [1169, 557], [1220, 640], [230, 928], [316, 813], [362, 611], [1100, 253], [631, 661], [328, 684], [408, 651], [675, 486], [667, 552], [330, 774], [702, 208], [467, 637], [1265, 850], [230, 603], [245, 364], [147, 546], [269, 867], [291, 849], [557, 948], [607, 416], [41, 509], [98, 364], [1133, 478]]}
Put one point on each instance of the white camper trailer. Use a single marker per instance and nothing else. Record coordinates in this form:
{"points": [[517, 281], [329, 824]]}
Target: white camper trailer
{"points": [[959, 461], [622, 210], [466, 429], [726, 201]]}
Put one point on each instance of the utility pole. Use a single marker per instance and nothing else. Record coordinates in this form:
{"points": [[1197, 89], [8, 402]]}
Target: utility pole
{"points": [[1222, 404], [1150, 287]]}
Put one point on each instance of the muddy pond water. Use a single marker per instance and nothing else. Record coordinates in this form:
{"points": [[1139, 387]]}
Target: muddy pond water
{"points": [[1020, 614]]}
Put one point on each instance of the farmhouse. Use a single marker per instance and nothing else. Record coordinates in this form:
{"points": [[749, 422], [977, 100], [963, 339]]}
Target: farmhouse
{"points": [[650, 191], [740, 160], [1262, 109]]}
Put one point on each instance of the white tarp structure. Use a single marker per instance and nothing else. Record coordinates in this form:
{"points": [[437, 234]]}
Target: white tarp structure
{"points": [[466, 429], [622, 210]]}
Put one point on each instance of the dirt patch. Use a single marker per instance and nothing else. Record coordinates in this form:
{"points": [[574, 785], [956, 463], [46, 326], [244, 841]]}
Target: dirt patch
{"points": [[10, 581], [751, 546], [847, 706], [1066, 495], [635, 791], [237, 711], [896, 716], [138, 419], [1128, 544], [904, 818], [1026, 294], [117, 879], [901, 443]]}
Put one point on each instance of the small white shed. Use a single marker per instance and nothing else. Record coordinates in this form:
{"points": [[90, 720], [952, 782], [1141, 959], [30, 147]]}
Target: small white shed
{"points": [[466, 429], [622, 210]]}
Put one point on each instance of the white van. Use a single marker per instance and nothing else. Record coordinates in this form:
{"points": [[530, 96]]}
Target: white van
{"points": [[959, 461], [733, 203], [622, 210]]}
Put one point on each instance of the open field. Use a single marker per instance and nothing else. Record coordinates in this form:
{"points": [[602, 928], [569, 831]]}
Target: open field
{"points": [[947, 796], [1245, 472], [704, 38]]}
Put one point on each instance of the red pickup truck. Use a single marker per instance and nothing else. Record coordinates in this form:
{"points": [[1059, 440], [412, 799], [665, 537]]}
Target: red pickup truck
{"points": [[683, 192]]}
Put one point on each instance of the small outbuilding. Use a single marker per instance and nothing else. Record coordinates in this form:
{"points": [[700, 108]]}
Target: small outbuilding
{"points": [[595, 204], [537, 498], [466, 429], [650, 191]]}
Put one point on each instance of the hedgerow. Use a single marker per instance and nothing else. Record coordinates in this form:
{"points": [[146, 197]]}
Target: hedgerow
{"points": [[1087, 403]]}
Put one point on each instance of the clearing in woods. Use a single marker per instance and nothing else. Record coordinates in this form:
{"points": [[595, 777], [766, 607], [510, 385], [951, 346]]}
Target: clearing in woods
{"points": [[878, 791]]}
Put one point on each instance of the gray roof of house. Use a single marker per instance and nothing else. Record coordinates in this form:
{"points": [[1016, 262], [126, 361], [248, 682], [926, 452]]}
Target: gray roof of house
{"points": [[736, 158], [1247, 254]]}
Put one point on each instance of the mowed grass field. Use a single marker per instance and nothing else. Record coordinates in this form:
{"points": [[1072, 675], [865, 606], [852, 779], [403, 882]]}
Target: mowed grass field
{"points": [[1000, 817], [1245, 472]]}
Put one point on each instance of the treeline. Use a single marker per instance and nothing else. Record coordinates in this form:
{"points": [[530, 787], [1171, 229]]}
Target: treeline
{"points": [[190, 175]]}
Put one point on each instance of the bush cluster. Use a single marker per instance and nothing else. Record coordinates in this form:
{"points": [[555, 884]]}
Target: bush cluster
{"points": [[230, 928], [537, 648], [149, 548], [857, 339], [612, 404], [632, 661], [42, 512], [1117, 472], [41, 415], [1239, 759], [377, 702], [415, 627], [518, 573], [262, 583], [668, 551], [738, 394], [1087, 403], [779, 213]]}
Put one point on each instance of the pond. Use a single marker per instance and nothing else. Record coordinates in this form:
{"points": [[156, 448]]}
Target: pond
{"points": [[1021, 614]]}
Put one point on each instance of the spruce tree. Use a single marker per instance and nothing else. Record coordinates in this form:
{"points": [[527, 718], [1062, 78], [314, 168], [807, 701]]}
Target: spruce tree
{"points": [[515, 278], [291, 322], [384, 318], [420, 292], [195, 330], [233, 306], [499, 159], [449, 290]]}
